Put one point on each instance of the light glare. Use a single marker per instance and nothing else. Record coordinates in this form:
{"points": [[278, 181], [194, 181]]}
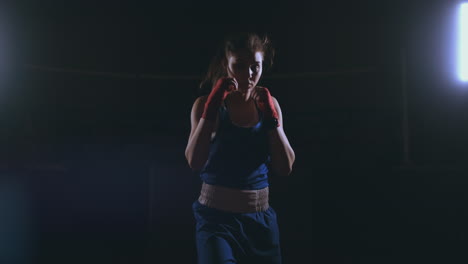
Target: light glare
{"points": [[463, 43]]}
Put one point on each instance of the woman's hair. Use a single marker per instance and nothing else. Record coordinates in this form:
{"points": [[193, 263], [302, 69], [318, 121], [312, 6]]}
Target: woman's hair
{"points": [[233, 43]]}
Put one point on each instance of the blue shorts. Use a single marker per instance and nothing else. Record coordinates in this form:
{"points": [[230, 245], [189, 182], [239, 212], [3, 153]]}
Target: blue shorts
{"points": [[224, 237]]}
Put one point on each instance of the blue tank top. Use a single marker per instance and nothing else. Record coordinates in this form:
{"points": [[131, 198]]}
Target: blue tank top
{"points": [[238, 156]]}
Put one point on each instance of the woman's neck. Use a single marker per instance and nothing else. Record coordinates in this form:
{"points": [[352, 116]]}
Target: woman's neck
{"points": [[240, 97]]}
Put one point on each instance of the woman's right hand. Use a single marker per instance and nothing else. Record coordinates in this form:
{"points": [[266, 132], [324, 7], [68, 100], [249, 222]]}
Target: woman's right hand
{"points": [[220, 90], [224, 86]]}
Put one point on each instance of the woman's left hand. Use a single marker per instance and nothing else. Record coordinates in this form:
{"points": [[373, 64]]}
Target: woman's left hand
{"points": [[264, 101]]}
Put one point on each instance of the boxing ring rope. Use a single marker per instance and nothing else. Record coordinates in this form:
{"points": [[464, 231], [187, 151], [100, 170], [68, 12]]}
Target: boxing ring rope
{"points": [[186, 77]]}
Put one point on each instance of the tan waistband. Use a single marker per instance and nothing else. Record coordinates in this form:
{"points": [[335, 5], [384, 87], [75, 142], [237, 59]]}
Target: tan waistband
{"points": [[234, 200]]}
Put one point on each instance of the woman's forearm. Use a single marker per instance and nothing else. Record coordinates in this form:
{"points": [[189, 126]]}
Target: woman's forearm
{"points": [[281, 152], [198, 147]]}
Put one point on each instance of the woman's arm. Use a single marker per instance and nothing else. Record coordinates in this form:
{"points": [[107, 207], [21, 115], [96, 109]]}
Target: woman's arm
{"points": [[198, 145], [281, 152]]}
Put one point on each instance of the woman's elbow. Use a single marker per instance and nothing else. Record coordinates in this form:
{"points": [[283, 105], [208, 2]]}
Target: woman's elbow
{"points": [[195, 167], [193, 163], [282, 172], [287, 172]]}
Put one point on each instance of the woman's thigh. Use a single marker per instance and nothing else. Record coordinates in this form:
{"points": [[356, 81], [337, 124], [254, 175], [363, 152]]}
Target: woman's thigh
{"points": [[215, 250]]}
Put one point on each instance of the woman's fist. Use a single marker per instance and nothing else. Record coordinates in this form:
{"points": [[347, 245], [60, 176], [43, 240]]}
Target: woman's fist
{"points": [[219, 92], [225, 85], [265, 102]]}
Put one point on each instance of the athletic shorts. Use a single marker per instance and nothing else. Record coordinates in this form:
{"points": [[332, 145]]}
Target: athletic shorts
{"points": [[226, 237]]}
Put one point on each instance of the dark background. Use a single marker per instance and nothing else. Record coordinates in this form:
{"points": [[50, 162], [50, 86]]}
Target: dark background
{"points": [[95, 101]]}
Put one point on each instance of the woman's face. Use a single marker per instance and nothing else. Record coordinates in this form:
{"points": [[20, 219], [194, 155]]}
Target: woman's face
{"points": [[246, 67]]}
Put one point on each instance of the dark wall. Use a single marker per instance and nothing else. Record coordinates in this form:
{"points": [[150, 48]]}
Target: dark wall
{"points": [[93, 164]]}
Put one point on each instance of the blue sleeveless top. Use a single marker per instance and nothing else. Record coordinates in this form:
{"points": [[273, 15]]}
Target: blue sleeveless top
{"points": [[238, 156]]}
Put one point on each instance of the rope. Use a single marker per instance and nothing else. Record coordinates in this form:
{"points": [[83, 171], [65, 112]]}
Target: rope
{"points": [[188, 77]]}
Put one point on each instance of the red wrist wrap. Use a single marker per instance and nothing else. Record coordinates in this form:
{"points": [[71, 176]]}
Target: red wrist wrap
{"points": [[219, 92]]}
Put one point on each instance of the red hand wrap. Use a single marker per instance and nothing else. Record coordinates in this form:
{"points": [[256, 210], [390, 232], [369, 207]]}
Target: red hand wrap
{"points": [[219, 92], [266, 104]]}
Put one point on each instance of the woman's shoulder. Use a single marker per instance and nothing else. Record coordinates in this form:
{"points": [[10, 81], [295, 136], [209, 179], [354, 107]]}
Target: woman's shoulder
{"points": [[201, 99], [198, 104]]}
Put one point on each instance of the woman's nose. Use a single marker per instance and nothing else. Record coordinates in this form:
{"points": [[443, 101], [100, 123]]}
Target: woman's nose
{"points": [[250, 72]]}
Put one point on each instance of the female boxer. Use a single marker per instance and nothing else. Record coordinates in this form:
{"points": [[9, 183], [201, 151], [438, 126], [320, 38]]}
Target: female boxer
{"points": [[236, 142]]}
